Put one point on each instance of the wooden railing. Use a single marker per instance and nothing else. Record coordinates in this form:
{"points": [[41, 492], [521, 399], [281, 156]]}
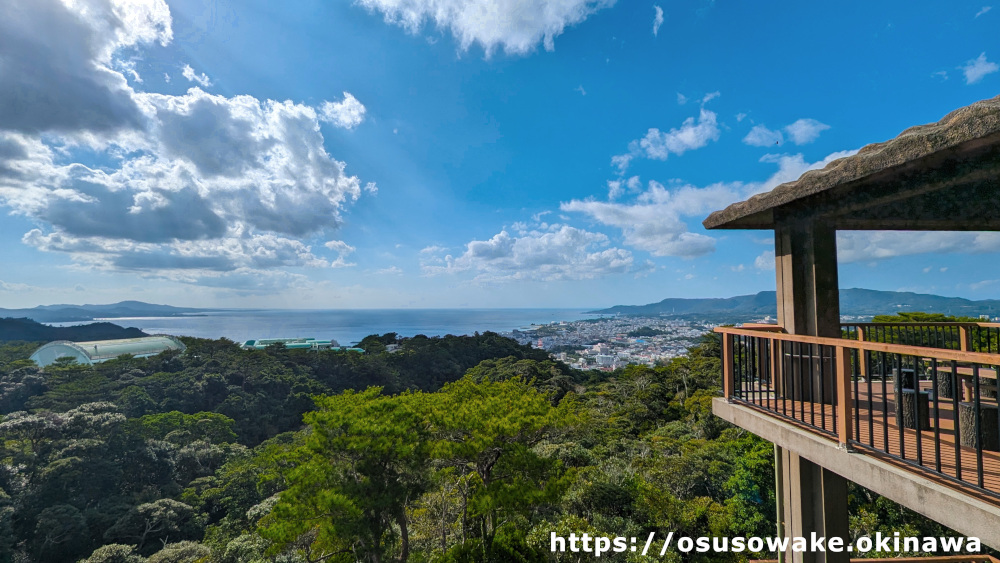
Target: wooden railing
{"points": [[932, 407], [972, 337], [941, 559]]}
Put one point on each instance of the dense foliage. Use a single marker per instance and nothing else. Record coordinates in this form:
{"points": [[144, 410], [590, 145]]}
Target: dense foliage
{"points": [[447, 449]]}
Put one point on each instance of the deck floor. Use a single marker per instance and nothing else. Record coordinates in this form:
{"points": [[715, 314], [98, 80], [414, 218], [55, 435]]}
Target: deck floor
{"points": [[878, 432]]}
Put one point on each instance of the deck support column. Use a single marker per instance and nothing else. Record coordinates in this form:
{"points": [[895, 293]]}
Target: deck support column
{"points": [[814, 500], [811, 499]]}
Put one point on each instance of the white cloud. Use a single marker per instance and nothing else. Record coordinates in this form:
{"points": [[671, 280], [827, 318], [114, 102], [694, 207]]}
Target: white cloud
{"points": [[618, 187], [740, 117], [801, 132], [558, 253], [518, 26], [190, 187], [977, 68], [761, 136], [710, 96], [390, 271], [657, 219], [202, 79], [348, 113], [7, 286], [765, 261], [805, 131], [983, 10], [581, 90], [343, 250], [59, 67], [863, 246], [657, 145], [657, 19], [681, 99]]}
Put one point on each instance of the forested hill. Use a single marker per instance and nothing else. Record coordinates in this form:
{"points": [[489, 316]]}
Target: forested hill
{"points": [[31, 331], [69, 313], [465, 449], [852, 302]]}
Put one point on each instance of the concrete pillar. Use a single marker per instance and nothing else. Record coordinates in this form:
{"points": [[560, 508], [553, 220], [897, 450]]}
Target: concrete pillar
{"points": [[811, 499]]}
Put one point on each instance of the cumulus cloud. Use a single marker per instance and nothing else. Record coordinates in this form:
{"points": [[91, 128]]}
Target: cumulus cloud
{"points": [[761, 136], [801, 132], [616, 188], [863, 246], [657, 20], [343, 250], [58, 63], [189, 187], [348, 113], [557, 252], [977, 68], [657, 219], [517, 26], [202, 79], [805, 131], [765, 261], [658, 145]]}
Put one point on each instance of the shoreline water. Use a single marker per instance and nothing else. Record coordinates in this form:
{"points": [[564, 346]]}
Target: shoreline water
{"points": [[345, 326]]}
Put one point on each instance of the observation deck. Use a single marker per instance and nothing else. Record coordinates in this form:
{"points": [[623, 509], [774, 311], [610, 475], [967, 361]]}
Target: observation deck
{"points": [[909, 411]]}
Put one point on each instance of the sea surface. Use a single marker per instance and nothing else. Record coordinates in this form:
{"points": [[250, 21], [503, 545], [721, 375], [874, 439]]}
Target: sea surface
{"points": [[344, 326]]}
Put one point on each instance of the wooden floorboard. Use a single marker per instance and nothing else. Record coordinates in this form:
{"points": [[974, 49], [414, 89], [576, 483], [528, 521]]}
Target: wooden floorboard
{"points": [[878, 433]]}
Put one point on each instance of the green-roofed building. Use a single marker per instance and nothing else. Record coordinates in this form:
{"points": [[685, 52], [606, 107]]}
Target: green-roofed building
{"points": [[103, 350], [297, 344]]}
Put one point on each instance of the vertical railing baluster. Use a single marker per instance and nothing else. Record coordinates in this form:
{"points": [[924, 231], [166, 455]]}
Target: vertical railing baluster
{"points": [[916, 408], [812, 387], [855, 376], [884, 361], [871, 401], [956, 406], [937, 415], [977, 398], [897, 391]]}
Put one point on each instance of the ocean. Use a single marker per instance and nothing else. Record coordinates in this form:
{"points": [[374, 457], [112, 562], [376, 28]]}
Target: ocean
{"points": [[344, 326]]}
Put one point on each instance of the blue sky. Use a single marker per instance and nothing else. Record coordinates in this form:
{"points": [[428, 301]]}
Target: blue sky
{"points": [[455, 153]]}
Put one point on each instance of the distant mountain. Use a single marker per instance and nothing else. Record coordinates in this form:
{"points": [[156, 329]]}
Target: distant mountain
{"points": [[27, 329], [70, 313], [852, 302]]}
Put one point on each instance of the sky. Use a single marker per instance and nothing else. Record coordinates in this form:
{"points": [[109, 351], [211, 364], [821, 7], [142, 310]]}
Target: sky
{"points": [[456, 153]]}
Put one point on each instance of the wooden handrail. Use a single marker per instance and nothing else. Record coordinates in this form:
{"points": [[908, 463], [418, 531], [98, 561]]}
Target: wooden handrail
{"points": [[940, 559], [906, 350], [969, 323]]}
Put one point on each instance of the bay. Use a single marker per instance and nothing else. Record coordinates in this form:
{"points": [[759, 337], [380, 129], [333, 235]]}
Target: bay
{"points": [[346, 326]]}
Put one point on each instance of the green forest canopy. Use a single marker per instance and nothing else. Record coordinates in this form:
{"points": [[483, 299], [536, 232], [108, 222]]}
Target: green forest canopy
{"points": [[450, 449]]}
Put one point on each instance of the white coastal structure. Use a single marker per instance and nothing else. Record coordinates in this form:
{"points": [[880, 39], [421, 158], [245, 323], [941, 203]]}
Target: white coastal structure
{"points": [[103, 350]]}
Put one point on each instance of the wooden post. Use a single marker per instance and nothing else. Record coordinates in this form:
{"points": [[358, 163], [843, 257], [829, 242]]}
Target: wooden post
{"points": [[965, 344], [862, 364], [728, 368], [965, 338], [845, 400], [776, 363]]}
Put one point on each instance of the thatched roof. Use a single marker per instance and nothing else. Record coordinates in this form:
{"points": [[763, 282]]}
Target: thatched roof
{"points": [[959, 155]]}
